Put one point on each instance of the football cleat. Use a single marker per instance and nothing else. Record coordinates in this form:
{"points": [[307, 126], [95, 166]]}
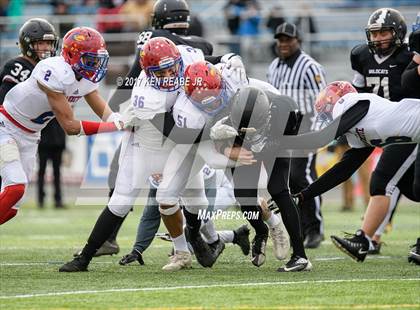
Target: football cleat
{"points": [[132, 257], [241, 238], [108, 248], [295, 264], [280, 239], [180, 260], [356, 247], [259, 244], [375, 249], [202, 251], [217, 247], [313, 240], [79, 263], [414, 255], [164, 236]]}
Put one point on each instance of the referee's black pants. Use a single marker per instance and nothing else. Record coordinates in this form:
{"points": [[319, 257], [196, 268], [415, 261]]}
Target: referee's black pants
{"points": [[302, 174], [55, 155], [246, 179]]}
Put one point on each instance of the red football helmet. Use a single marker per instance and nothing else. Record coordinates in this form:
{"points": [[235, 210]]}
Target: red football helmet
{"points": [[329, 96], [85, 51], [205, 87], [162, 63]]}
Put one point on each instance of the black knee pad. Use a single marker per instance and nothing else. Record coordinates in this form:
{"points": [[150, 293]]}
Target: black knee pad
{"points": [[378, 183]]}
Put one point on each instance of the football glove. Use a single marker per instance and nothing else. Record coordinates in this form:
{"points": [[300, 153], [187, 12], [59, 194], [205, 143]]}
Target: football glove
{"points": [[221, 131]]}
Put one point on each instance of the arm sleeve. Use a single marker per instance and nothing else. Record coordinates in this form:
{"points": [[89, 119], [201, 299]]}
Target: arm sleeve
{"points": [[5, 86], [410, 81], [165, 123], [318, 139], [352, 159], [123, 91]]}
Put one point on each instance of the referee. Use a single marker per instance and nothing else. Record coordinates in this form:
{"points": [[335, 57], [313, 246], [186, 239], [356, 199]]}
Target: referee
{"points": [[297, 75]]}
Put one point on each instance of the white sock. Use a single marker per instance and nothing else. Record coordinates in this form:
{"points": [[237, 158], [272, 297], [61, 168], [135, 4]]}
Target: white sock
{"points": [[180, 243], [371, 247], [226, 236], [273, 220], [208, 231]]}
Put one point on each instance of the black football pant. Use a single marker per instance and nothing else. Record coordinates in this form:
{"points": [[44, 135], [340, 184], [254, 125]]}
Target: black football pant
{"points": [[55, 155], [302, 174], [245, 179]]}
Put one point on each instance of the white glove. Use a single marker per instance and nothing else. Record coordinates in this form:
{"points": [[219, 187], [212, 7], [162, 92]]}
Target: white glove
{"points": [[221, 131], [128, 118], [235, 68]]}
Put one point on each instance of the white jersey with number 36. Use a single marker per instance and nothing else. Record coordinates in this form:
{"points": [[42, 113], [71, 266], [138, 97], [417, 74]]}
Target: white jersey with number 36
{"points": [[385, 123], [150, 101], [28, 104]]}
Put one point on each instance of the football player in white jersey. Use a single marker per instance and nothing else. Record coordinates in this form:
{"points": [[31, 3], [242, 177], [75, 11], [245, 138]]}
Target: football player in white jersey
{"points": [[55, 85], [207, 92], [145, 151], [367, 121]]}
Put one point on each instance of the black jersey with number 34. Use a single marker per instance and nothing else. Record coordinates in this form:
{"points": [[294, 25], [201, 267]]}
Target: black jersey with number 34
{"points": [[15, 71], [382, 75]]}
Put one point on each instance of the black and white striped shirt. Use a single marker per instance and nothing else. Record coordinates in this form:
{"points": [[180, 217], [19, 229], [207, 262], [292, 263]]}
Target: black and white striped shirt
{"points": [[301, 78]]}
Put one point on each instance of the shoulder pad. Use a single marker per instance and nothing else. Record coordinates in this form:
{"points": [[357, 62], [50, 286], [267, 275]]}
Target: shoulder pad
{"points": [[17, 70], [357, 55], [54, 73], [403, 55]]}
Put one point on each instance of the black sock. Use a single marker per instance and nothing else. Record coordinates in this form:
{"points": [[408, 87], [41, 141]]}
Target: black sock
{"points": [[291, 220], [193, 222], [105, 225], [258, 224], [113, 237]]}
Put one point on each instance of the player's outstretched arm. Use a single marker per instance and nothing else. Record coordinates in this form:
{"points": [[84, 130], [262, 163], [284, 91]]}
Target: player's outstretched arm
{"points": [[65, 117], [98, 105], [322, 137], [351, 161]]}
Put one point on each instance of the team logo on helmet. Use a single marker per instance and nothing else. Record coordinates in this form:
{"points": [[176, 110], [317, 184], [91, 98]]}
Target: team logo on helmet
{"points": [[79, 37]]}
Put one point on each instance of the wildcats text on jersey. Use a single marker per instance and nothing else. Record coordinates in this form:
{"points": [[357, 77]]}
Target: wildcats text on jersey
{"points": [[378, 71]]}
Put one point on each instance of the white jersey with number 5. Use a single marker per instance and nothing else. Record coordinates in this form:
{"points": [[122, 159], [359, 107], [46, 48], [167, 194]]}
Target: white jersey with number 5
{"points": [[385, 123], [150, 101], [28, 105]]}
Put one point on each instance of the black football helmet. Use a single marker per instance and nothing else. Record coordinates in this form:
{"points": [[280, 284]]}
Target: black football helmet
{"points": [[37, 29], [386, 19], [250, 114], [170, 14]]}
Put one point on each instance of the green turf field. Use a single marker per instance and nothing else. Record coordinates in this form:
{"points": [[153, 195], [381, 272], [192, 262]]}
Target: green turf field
{"points": [[36, 243]]}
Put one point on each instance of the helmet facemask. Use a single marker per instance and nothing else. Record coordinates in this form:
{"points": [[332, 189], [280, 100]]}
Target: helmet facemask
{"points": [[158, 75], [92, 66], [213, 103], [38, 54], [375, 46]]}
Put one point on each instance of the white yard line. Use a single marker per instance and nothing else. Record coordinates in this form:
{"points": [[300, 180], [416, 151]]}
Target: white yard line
{"points": [[157, 289]]}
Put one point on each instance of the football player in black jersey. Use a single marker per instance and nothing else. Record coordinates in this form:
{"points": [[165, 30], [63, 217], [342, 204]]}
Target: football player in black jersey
{"points": [[37, 40], [378, 67], [260, 117], [170, 19], [411, 87]]}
